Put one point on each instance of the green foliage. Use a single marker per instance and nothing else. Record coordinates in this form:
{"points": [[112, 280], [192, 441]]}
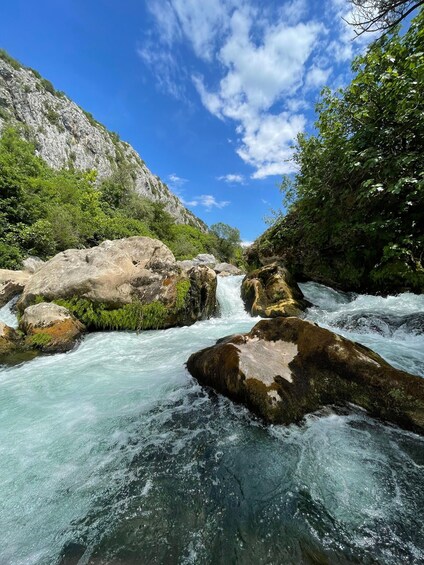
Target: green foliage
{"points": [[187, 241], [52, 115], [227, 241], [44, 211], [12, 62], [11, 257], [183, 288], [47, 85], [356, 205], [135, 316], [39, 340]]}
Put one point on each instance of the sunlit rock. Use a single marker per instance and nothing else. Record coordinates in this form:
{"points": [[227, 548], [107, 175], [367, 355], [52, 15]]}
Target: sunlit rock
{"points": [[271, 292], [285, 368], [130, 284], [11, 284], [50, 328]]}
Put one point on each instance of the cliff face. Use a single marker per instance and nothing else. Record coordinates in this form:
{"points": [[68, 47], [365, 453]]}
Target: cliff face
{"points": [[65, 135]]}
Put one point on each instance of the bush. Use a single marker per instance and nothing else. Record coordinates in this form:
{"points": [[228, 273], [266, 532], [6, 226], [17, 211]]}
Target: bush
{"points": [[10, 256]]}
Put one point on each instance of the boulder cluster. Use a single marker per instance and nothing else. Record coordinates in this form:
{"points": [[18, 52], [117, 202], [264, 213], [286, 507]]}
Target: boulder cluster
{"points": [[283, 369], [127, 284], [287, 367]]}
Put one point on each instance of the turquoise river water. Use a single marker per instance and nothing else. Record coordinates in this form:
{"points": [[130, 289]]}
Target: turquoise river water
{"points": [[113, 454]]}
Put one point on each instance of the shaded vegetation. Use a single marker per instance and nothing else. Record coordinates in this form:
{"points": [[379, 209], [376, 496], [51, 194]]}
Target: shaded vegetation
{"points": [[355, 216]]}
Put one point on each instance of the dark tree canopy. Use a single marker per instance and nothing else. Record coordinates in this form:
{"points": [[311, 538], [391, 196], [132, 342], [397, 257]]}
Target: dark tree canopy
{"points": [[380, 15]]}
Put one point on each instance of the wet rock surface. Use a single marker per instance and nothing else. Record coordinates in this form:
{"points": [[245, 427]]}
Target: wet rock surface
{"points": [[285, 368], [271, 292]]}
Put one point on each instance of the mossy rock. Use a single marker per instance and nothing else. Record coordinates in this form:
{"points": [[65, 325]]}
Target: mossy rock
{"points": [[286, 368]]}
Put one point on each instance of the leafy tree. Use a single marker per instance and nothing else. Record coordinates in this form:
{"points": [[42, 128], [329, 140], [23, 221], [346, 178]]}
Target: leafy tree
{"points": [[227, 240], [357, 217]]}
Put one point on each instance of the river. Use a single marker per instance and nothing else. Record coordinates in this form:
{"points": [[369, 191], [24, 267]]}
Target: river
{"points": [[113, 454]]}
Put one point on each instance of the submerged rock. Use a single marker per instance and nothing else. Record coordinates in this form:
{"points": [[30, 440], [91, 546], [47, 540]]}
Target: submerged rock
{"points": [[50, 328], [13, 349], [132, 283], [271, 292], [11, 284], [286, 368], [383, 324]]}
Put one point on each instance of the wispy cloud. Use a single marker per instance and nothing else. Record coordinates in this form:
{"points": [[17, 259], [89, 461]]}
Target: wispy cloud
{"points": [[207, 201], [232, 178], [259, 62], [175, 182]]}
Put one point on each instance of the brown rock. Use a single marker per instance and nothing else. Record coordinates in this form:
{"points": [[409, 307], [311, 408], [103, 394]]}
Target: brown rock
{"points": [[12, 347], [11, 284], [286, 368], [50, 328], [271, 292]]}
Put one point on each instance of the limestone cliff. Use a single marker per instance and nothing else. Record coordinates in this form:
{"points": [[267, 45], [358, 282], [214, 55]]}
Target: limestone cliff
{"points": [[67, 136]]}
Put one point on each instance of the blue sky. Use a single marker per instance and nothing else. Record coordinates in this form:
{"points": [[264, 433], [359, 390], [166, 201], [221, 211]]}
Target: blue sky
{"points": [[211, 93]]}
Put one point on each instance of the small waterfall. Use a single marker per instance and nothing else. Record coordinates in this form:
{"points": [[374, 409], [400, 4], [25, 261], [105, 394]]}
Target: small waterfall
{"points": [[8, 315], [229, 297]]}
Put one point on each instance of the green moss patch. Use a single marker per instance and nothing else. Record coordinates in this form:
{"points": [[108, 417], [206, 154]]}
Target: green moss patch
{"points": [[39, 340], [183, 288], [135, 316]]}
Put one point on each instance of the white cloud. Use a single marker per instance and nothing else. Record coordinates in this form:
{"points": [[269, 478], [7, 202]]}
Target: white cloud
{"points": [[175, 181], [263, 61], [202, 23], [232, 178], [246, 243], [257, 75], [266, 145], [317, 77], [207, 201]]}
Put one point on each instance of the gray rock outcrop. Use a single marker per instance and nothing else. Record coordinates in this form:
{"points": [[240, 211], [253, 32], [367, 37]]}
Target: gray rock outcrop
{"points": [[208, 260], [32, 264], [65, 135], [226, 269]]}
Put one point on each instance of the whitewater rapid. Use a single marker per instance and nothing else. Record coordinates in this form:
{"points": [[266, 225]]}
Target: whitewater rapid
{"points": [[112, 453]]}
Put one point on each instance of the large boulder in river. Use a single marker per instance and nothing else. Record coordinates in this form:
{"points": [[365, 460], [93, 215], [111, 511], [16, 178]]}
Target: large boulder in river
{"points": [[287, 367], [50, 328], [11, 284], [272, 292], [132, 283]]}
